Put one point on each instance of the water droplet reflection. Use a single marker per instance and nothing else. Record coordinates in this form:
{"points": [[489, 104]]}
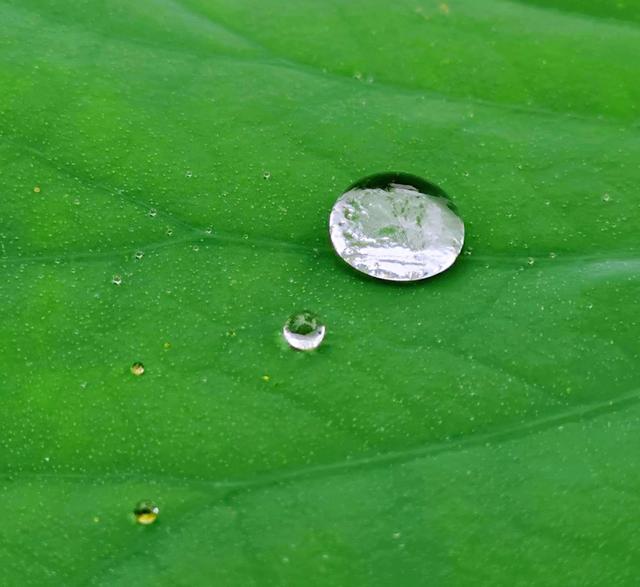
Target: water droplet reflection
{"points": [[137, 369], [146, 512], [396, 227], [304, 331]]}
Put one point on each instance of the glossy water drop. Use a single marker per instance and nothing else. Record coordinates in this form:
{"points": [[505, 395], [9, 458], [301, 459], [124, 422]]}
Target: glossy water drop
{"points": [[116, 280], [36, 189], [188, 173], [396, 227], [153, 213], [303, 331], [137, 369], [139, 255], [606, 198], [146, 512], [266, 175]]}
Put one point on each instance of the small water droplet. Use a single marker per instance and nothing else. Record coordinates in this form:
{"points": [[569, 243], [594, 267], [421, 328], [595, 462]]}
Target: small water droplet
{"points": [[530, 260], [195, 248], [552, 255], [267, 175], [606, 198], [188, 173], [137, 369], [146, 512], [396, 227], [169, 231], [153, 212], [209, 230], [36, 189], [139, 255], [304, 331], [116, 280]]}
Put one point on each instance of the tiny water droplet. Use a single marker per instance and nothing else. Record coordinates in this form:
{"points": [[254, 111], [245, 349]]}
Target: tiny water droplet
{"points": [[137, 369], [116, 280], [530, 261], [606, 198], [36, 189], [146, 512], [139, 255], [195, 248], [552, 255], [267, 175], [304, 331], [396, 227], [209, 230], [153, 212], [188, 173], [169, 231]]}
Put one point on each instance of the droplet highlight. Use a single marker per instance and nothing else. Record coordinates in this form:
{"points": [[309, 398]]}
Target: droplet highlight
{"points": [[146, 512], [396, 227], [303, 331]]}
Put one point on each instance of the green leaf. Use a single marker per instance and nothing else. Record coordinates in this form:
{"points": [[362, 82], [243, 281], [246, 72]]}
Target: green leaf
{"points": [[479, 428]]}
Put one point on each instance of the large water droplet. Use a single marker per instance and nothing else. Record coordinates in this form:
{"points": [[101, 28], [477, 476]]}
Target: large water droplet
{"points": [[397, 227], [146, 512], [303, 331]]}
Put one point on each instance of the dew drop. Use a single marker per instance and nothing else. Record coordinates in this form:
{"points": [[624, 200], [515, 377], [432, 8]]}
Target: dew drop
{"points": [[153, 213], [116, 280], [188, 173], [139, 255], [267, 175], [396, 227], [36, 189], [169, 232], [304, 331], [606, 198], [530, 260], [137, 369], [146, 512]]}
